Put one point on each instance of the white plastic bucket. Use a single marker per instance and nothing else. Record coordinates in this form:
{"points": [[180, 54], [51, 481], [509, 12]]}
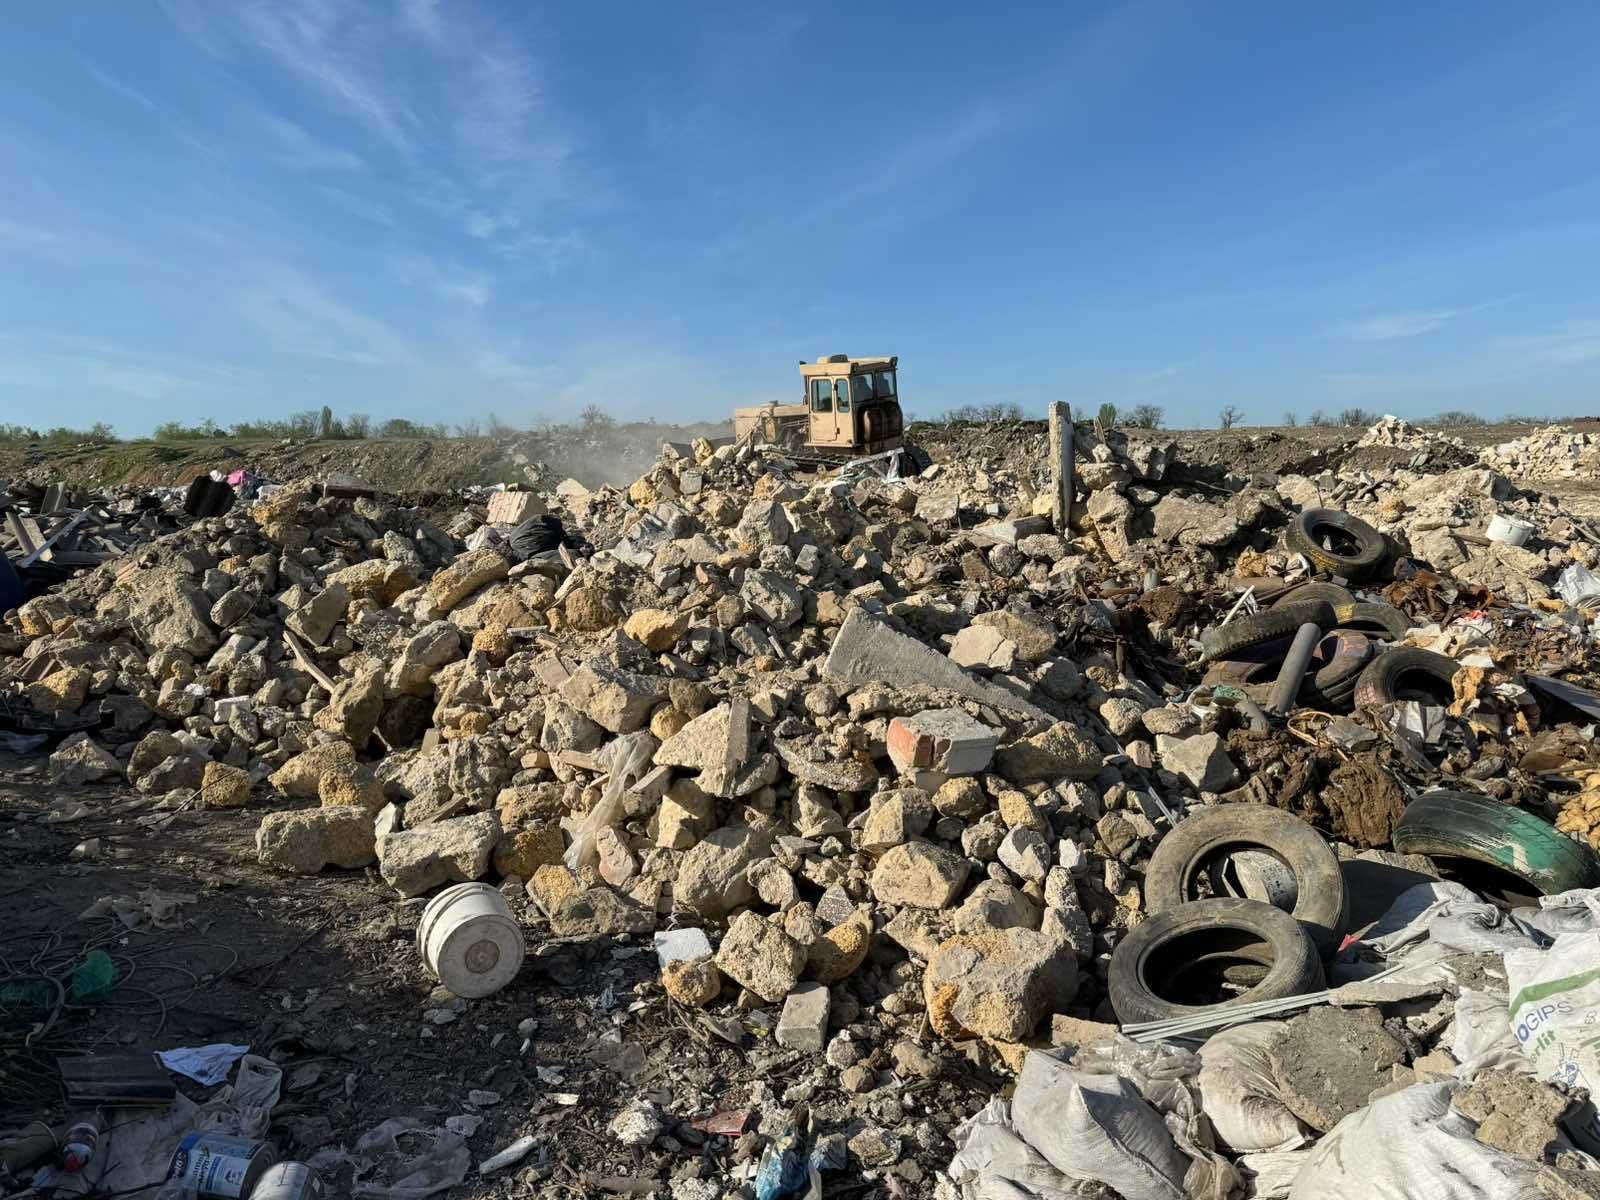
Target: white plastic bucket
{"points": [[1513, 531], [469, 940]]}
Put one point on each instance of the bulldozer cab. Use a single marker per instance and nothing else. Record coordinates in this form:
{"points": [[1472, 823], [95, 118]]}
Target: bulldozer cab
{"points": [[852, 403]]}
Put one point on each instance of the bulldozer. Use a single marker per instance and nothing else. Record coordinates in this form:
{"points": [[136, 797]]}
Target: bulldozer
{"points": [[849, 414]]}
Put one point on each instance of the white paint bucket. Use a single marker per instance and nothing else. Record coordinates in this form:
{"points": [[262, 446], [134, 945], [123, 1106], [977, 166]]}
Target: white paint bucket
{"points": [[469, 940], [1513, 531], [219, 1164], [290, 1181]]}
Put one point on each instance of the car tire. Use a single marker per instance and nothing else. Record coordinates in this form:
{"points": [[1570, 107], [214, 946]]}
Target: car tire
{"points": [[1344, 655], [1330, 593], [1463, 825], [1222, 641], [1186, 853], [1189, 945], [1310, 526], [1382, 621], [1393, 673]]}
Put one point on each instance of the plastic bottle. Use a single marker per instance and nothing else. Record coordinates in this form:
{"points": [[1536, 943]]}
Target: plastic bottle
{"points": [[77, 1147]]}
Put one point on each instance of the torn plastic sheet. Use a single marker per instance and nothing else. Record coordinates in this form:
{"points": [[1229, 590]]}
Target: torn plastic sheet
{"points": [[149, 909], [631, 754], [430, 1160], [245, 1106], [1449, 916], [134, 1151], [208, 1065], [1578, 584]]}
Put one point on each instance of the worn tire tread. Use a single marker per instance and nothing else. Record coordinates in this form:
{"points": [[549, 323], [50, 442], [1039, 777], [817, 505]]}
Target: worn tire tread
{"points": [[1295, 970], [1299, 538], [1450, 824], [1377, 682], [1243, 632], [1321, 904]]}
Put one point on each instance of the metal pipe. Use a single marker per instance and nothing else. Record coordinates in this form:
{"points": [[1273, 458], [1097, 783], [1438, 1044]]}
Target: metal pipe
{"points": [[1293, 671]]}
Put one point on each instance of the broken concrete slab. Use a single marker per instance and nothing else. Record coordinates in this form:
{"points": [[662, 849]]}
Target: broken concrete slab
{"points": [[306, 841], [997, 984], [865, 650], [452, 851]]}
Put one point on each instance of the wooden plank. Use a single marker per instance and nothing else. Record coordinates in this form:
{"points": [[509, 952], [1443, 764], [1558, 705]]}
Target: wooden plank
{"points": [[19, 532], [43, 548]]}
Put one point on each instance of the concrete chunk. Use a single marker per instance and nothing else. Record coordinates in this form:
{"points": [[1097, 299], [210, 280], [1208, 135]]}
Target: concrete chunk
{"points": [[454, 851], [804, 1023], [946, 740], [617, 700], [307, 840], [314, 620], [866, 650], [513, 508], [761, 957]]}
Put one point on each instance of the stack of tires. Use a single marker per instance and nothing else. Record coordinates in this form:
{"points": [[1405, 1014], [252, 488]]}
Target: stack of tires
{"points": [[1357, 662], [1209, 942], [1220, 937]]}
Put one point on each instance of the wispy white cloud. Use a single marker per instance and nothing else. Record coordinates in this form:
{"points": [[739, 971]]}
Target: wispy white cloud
{"points": [[453, 96], [499, 366], [498, 95], [1159, 375], [302, 152], [1385, 327], [334, 47], [471, 288], [1576, 341], [421, 17], [126, 91], [299, 317]]}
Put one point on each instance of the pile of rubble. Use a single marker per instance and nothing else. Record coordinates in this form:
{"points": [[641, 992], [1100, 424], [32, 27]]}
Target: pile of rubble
{"points": [[882, 766], [1553, 452], [1400, 433]]}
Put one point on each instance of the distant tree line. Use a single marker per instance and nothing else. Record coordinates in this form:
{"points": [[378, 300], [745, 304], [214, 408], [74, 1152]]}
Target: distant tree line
{"points": [[321, 423]]}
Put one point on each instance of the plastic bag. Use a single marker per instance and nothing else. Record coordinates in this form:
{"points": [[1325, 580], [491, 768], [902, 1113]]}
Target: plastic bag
{"points": [[94, 980], [1412, 1144], [1565, 912], [1480, 1035], [992, 1163], [1555, 1009], [1240, 1093], [1097, 1128], [245, 1106], [1168, 1077], [1270, 1175], [631, 756], [439, 1161]]}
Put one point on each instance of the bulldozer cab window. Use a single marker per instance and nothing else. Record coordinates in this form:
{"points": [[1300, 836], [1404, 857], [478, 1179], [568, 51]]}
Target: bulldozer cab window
{"points": [[883, 383], [821, 395], [842, 402]]}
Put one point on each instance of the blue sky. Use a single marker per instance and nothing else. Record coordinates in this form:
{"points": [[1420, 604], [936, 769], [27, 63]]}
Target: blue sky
{"points": [[440, 209]]}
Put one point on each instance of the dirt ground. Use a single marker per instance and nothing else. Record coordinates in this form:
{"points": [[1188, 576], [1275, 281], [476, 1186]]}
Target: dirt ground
{"points": [[621, 455], [322, 975]]}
